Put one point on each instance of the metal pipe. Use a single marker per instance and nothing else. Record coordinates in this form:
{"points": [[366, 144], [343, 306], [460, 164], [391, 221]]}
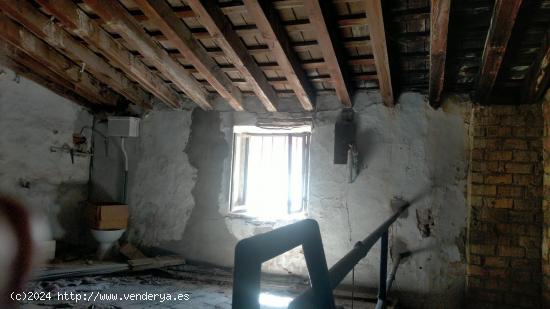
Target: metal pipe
{"points": [[381, 304], [340, 270]]}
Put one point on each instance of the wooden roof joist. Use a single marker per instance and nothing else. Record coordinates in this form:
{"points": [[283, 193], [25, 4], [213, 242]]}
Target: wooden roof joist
{"points": [[234, 48], [500, 31], [439, 25], [86, 85], [333, 54], [304, 46], [118, 18], [282, 81], [76, 20], [290, 25], [379, 49], [538, 79], [25, 13], [24, 65], [268, 21], [180, 36], [366, 60]]}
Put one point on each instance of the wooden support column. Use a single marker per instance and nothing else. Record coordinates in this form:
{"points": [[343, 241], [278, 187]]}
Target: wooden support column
{"points": [[41, 52], [162, 15], [323, 20], [502, 24], [118, 18], [375, 21], [439, 25], [212, 17], [269, 23], [73, 18], [25, 13]]}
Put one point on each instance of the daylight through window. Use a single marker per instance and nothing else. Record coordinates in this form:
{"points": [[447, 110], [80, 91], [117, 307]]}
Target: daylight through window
{"points": [[270, 171]]}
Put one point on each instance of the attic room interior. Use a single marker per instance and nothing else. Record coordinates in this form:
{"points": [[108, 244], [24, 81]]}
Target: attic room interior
{"points": [[274, 154]]}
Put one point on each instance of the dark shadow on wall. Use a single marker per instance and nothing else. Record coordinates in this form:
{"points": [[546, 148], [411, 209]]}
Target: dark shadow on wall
{"points": [[207, 151], [71, 198]]}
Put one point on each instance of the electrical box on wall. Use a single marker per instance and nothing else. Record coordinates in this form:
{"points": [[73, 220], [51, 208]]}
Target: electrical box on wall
{"points": [[123, 126], [344, 136]]}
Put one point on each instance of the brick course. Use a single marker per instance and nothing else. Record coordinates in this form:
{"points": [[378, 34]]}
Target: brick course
{"points": [[505, 197]]}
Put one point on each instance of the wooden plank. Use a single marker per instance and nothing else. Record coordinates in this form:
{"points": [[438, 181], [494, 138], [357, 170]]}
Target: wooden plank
{"points": [[29, 68], [379, 49], [156, 262], [41, 52], [321, 17], [220, 28], [161, 14], [27, 15], [500, 30], [439, 25], [269, 23], [538, 78], [118, 18], [73, 18]]}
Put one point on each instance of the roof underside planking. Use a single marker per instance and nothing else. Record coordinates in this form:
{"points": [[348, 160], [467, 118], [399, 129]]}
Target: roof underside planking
{"points": [[133, 50]]}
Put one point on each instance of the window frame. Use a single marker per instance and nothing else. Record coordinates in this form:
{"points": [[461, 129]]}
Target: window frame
{"points": [[238, 206]]}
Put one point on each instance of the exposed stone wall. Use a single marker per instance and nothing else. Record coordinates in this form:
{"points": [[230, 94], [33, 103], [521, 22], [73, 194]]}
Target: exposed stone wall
{"points": [[504, 251]]}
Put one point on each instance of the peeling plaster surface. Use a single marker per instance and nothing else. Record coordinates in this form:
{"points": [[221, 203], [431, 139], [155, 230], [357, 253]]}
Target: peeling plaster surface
{"points": [[179, 189], [32, 119], [411, 151]]}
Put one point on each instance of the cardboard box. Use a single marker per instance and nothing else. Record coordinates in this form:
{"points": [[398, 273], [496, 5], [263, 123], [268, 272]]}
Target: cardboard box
{"points": [[108, 216]]}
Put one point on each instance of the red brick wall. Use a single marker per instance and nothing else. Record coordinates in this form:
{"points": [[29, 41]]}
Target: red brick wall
{"points": [[505, 196]]}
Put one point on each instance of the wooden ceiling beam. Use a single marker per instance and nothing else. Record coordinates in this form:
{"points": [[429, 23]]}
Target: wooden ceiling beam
{"points": [[162, 15], [76, 20], [31, 18], [233, 47], [379, 49], [439, 26], [41, 52], [312, 64], [118, 18], [321, 17], [343, 21], [31, 69], [538, 78], [268, 21], [500, 31]]}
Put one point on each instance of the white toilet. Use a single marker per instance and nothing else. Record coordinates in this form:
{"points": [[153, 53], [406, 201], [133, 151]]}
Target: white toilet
{"points": [[107, 240]]}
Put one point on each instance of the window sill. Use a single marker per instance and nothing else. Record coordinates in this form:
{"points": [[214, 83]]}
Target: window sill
{"points": [[258, 220]]}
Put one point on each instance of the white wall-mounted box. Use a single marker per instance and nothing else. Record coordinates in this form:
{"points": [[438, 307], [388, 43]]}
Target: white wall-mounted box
{"points": [[123, 126]]}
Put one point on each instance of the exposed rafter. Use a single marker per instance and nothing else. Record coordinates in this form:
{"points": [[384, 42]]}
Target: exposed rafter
{"points": [[118, 18], [375, 20], [162, 15], [220, 28], [26, 14], [500, 31], [321, 18], [538, 79], [78, 22], [41, 52], [24, 65], [268, 21], [439, 25]]}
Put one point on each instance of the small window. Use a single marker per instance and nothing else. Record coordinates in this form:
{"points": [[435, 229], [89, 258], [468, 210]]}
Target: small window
{"points": [[270, 172]]}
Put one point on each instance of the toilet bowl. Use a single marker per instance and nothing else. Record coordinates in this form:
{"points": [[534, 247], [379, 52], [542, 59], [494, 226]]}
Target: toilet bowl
{"points": [[107, 239]]}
